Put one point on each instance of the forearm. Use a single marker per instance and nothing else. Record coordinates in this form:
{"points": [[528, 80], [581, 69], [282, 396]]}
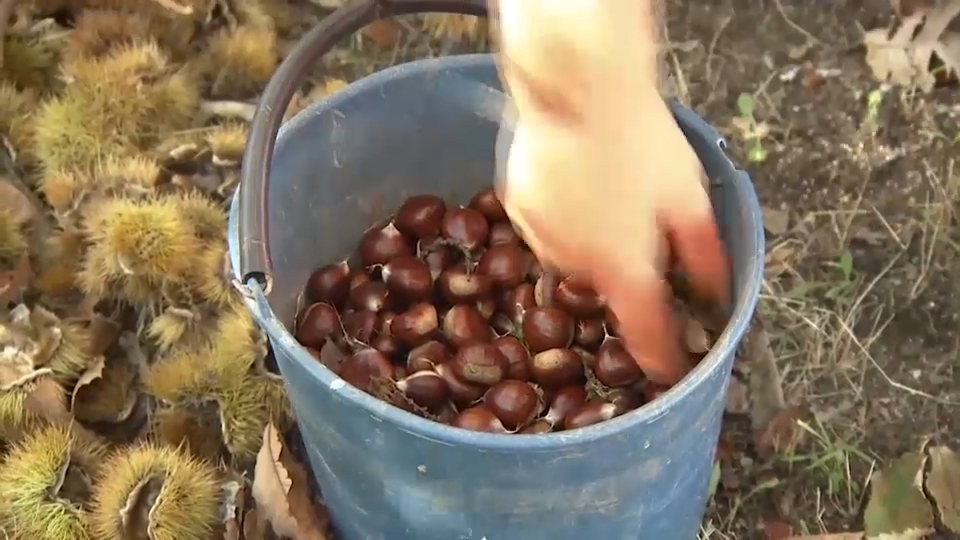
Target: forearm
{"points": [[595, 57]]}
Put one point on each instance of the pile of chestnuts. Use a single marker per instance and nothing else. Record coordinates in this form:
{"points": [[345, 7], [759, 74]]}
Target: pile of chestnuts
{"points": [[450, 316]]}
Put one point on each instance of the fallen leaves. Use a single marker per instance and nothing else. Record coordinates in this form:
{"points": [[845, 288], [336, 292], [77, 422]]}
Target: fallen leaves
{"points": [[897, 503], [903, 54], [943, 485], [282, 493]]}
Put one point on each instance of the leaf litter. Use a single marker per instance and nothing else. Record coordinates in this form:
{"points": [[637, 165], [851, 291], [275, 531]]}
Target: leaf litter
{"points": [[904, 53]]}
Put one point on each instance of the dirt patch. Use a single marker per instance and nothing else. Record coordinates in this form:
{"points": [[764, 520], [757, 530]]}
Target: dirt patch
{"points": [[862, 185]]}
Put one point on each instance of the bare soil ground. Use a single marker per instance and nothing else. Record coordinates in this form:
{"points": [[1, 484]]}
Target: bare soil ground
{"points": [[860, 299]]}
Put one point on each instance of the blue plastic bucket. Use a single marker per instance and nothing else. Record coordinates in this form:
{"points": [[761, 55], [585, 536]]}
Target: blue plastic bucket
{"points": [[385, 473]]}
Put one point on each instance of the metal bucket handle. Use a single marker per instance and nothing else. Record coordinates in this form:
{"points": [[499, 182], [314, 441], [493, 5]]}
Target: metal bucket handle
{"points": [[255, 263]]}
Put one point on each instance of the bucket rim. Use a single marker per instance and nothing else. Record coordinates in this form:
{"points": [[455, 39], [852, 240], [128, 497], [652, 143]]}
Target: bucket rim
{"points": [[709, 367]]}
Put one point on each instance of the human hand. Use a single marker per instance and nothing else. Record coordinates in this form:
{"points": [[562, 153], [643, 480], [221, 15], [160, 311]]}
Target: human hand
{"points": [[599, 179]]}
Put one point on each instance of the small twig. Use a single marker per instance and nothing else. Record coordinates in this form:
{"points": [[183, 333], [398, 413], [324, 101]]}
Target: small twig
{"points": [[233, 109], [175, 7], [795, 26]]}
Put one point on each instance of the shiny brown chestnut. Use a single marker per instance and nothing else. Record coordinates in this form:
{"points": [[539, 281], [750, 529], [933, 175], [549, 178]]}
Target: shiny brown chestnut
{"points": [[579, 299], [506, 264], [589, 414], [555, 368], [386, 344], [458, 285], [426, 389], [462, 393], [416, 325], [515, 403], [364, 367], [357, 278], [502, 232], [464, 324], [487, 203], [384, 320], [317, 323], [427, 356], [479, 418], [614, 366], [589, 333], [360, 325], [330, 283], [547, 328], [566, 400], [465, 227], [420, 216], [518, 357], [369, 296], [381, 244], [479, 363], [437, 256], [516, 301], [487, 307], [408, 278], [545, 289]]}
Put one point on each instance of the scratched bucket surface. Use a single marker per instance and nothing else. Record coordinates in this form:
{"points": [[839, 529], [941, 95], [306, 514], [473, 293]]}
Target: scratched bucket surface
{"points": [[387, 474]]}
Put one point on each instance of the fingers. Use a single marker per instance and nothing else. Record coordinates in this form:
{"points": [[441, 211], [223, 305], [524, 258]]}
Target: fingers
{"points": [[643, 306], [698, 253]]}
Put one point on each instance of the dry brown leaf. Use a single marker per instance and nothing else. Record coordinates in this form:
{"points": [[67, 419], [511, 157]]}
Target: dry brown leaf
{"points": [[776, 528], [775, 221], [281, 491], [104, 332], [234, 496], [943, 484], [903, 56], [783, 433], [93, 372], [383, 32], [906, 8], [48, 400], [764, 387], [16, 201], [15, 281]]}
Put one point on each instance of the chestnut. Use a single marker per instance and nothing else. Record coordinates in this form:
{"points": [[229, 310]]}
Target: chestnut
{"points": [[515, 403], [626, 399], [547, 328], [464, 324], [516, 301], [535, 270], [487, 203], [614, 366], [652, 391], [330, 283], [386, 344], [554, 368], [438, 257], [479, 418], [487, 307], [566, 400], [506, 264], [479, 363], [579, 299], [465, 227], [426, 389], [369, 296], [589, 333], [538, 427], [364, 367], [318, 323], [457, 285], [426, 357], [360, 325], [420, 216], [357, 278], [408, 278], [380, 244], [545, 289], [518, 357], [416, 325], [502, 232], [462, 393], [589, 414], [695, 337]]}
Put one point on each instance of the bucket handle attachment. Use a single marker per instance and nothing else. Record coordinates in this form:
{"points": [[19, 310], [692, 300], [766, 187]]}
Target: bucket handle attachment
{"points": [[252, 225]]}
